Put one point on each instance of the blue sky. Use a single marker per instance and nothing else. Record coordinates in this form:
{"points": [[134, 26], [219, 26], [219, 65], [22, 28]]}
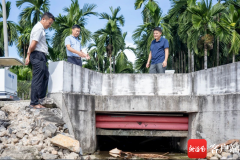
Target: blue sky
{"points": [[132, 17]]}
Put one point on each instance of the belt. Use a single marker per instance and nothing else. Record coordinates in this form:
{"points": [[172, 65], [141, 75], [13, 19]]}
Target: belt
{"points": [[74, 57]]}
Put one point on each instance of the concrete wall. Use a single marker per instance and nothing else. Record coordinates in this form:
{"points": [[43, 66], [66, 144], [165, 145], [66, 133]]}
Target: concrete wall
{"points": [[66, 77], [218, 80]]}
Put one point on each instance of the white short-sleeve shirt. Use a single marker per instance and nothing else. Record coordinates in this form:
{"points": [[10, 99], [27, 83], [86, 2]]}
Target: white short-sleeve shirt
{"points": [[38, 34]]}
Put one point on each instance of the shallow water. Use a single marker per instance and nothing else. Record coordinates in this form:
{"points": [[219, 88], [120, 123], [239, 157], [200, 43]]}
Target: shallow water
{"points": [[106, 155]]}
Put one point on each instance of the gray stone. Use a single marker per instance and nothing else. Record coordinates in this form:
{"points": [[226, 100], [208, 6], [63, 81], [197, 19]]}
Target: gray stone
{"points": [[213, 158], [3, 115], [3, 133], [21, 152], [47, 134], [72, 156], [51, 127], [229, 156], [235, 156], [2, 128], [49, 156], [20, 134], [224, 154], [5, 122]]}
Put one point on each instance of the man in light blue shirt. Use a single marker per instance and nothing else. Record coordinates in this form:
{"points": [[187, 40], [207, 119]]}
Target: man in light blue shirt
{"points": [[73, 47]]}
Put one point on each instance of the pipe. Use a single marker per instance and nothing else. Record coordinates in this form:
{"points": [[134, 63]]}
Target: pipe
{"points": [[146, 126], [115, 118]]}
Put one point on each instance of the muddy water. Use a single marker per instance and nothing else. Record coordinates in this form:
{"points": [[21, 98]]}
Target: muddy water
{"points": [[105, 155]]}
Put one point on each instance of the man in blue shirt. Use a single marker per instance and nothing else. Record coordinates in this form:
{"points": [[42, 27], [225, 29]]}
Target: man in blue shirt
{"points": [[73, 46], [158, 55]]}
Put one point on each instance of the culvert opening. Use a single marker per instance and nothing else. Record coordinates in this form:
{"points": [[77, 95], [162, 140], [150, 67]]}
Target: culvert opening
{"points": [[139, 144], [141, 132]]}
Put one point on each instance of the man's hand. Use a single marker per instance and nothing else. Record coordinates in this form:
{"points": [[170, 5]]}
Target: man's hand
{"points": [[164, 64], [147, 65], [88, 57], [27, 60]]}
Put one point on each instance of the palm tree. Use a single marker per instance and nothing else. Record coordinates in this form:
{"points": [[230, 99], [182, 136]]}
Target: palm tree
{"points": [[145, 12], [11, 29], [180, 20], [203, 15], [97, 55], [227, 30], [123, 65], [34, 10], [111, 35], [63, 26], [24, 39]]}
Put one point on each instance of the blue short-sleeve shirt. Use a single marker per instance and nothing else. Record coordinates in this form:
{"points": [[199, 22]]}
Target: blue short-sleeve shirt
{"points": [[74, 43], [158, 50]]}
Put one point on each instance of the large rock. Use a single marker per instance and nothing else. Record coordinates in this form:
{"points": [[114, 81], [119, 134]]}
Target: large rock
{"points": [[66, 143], [21, 152]]}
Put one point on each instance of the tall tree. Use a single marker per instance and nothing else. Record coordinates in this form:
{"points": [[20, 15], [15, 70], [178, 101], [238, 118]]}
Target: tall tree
{"points": [[63, 27], [34, 10], [227, 30], [111, 35], [11, 29], [24, 39], [203, 15]]}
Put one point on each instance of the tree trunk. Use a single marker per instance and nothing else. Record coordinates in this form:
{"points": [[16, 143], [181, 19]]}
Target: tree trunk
{"points": [[179, 64], [110, 60], [192, 60], [173, 65], [182, 61], [114, 64], [205, 55], [233, 58], [24, 53], [189, 61], [218, 42], [98, 66], [184, 66]]}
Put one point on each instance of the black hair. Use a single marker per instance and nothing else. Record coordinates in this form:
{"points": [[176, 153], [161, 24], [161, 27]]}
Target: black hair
{"points": [[48, 15], [157, 29], [76, 26]]}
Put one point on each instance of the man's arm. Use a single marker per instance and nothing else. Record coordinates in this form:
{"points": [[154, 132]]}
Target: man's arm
{"points": [[80, 53], [149, 59], [166, 57], [31, 48]]}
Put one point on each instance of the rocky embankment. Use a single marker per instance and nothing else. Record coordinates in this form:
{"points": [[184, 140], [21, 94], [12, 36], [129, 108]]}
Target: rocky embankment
{"points": [[35, 134]]}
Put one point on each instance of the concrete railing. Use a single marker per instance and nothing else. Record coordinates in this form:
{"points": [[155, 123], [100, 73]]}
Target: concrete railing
{"points": [[66, 77]]}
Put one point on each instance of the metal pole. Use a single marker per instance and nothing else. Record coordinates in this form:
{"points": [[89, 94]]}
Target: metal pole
{"points": [[5, 28]]}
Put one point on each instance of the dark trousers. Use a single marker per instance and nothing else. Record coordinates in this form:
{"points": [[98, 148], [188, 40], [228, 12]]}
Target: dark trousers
{"points": [[75, 60], [40, 76]]}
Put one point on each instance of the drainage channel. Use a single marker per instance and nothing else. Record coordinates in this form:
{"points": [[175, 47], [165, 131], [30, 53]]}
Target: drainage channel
{"points": [[141, 133]]}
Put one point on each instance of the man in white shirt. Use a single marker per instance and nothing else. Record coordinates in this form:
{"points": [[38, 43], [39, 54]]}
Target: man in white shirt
{"points": [[37, 51]]}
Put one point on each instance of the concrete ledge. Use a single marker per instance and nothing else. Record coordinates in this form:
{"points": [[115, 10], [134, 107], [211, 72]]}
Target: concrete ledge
{"points": [[159, 104], [149, 133]]}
